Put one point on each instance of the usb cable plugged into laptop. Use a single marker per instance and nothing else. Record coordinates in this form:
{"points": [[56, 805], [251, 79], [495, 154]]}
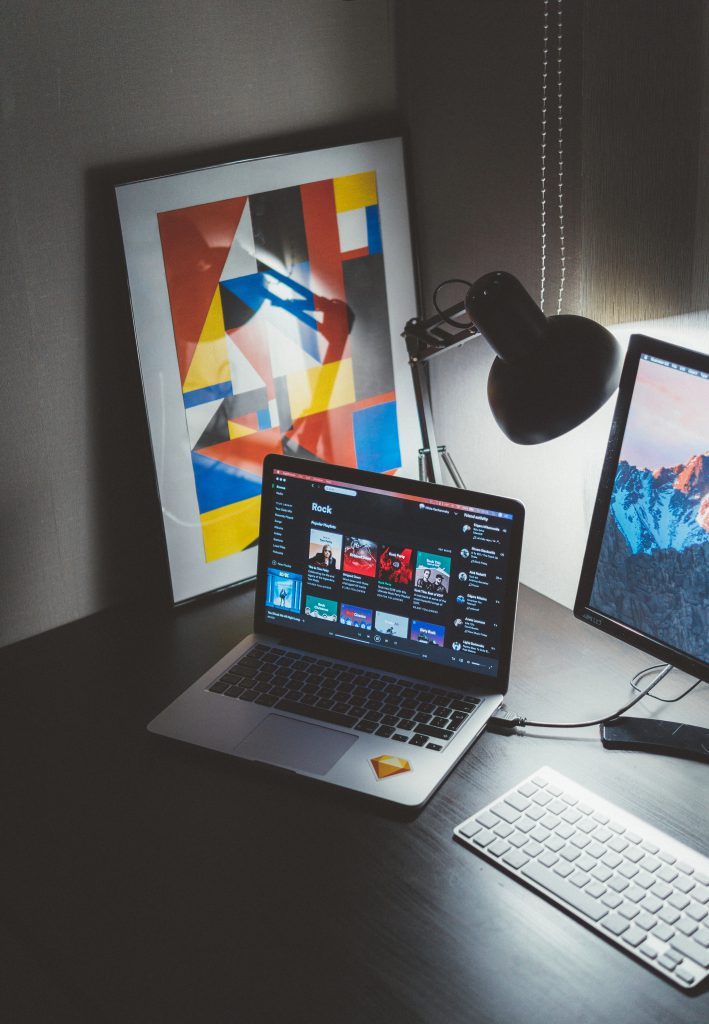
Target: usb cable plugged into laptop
{"points": [[506, 724]]}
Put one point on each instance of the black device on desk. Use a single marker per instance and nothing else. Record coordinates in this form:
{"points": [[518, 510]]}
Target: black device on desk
{"points": [[645, 575]]}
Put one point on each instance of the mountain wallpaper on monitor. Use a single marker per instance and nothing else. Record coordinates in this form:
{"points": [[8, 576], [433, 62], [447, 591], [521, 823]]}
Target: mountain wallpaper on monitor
{"points": [[653, 569]]}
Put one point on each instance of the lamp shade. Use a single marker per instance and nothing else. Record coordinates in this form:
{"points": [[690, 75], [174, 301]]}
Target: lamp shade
{"points": [[550, 373]]}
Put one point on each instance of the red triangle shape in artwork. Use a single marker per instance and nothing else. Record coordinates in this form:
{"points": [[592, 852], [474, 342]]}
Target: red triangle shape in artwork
{"points": [[247, 453], [195, 244], [329, 435]]}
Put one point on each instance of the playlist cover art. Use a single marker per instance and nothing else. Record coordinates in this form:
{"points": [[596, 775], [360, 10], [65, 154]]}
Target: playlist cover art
{"points": [[432, 573], [360, 556], [427, 633], [325, 549], [321, 608], [391, 625], [396, 565], [283, 590], [356, 618]]}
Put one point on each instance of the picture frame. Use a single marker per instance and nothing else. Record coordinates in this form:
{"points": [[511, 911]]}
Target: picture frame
{"points": [[268, 300]]}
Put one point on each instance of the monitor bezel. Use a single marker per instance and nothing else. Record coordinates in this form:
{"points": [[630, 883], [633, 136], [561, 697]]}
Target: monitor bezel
{"points": [[392, 662], [639, 345]]}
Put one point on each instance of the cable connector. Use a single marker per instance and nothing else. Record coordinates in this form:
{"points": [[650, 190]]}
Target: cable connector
{"points": [[504, 722]]}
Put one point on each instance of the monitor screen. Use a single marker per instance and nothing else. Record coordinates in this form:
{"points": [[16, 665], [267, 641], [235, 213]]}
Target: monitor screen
{"points": [[424, 573], [645, 576]]}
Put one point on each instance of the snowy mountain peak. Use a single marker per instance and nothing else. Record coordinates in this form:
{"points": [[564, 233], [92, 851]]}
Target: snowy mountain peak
{"points": [[663, 508]]}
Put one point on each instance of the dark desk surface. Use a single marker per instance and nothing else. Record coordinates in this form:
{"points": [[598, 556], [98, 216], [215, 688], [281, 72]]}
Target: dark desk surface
{"points": [[145, 881]]}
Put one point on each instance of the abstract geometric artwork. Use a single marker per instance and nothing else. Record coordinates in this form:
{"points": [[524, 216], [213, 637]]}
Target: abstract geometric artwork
{"points": [[280, 289]]}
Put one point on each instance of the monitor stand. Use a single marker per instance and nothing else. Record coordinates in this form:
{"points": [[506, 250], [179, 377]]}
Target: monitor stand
{"points": [[657, 737]]}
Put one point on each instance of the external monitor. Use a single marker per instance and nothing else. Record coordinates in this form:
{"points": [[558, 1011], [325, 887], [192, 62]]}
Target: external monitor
{"points": [[645, 575]]}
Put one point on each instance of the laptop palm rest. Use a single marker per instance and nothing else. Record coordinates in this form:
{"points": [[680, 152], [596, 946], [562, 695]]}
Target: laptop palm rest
{"points": [[299, 746]]}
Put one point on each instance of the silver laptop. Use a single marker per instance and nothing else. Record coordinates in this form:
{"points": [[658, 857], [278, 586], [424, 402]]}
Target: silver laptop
{"points": [[384, 614]]}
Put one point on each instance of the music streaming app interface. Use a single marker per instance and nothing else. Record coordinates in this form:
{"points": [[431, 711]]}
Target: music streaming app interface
{"points": [[422, 578]]}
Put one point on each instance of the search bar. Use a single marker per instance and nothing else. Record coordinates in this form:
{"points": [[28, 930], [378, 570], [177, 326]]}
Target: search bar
{"points": [[340, 490]]}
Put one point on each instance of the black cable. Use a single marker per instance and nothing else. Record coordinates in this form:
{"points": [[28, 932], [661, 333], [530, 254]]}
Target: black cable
{"points": [[447, 319], [511, 723], [653, 696]]}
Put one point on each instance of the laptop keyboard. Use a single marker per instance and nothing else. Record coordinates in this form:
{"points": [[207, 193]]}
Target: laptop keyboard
{"points": [[342, 694]]}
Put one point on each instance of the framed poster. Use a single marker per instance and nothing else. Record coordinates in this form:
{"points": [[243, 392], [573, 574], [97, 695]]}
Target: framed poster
{"points": [[268, 300]]}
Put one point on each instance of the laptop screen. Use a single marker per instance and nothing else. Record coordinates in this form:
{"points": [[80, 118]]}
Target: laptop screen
{"points": [[427, 573]]}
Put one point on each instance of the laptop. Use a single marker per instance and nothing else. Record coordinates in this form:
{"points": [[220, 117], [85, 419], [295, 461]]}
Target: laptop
{"points": [[383, 624]]}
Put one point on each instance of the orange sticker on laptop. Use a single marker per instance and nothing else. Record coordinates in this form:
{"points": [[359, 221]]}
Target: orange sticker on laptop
{"points": [[387, 765]]}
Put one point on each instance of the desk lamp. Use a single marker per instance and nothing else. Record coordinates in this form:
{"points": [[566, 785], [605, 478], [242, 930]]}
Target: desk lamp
{"points": [[550, 373]]}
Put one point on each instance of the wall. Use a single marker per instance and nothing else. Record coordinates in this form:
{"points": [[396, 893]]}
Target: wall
{"points": [[636, 203], [94, 94]]}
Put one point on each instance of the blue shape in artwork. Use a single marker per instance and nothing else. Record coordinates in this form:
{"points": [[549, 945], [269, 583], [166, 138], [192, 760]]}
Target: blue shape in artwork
{"points": [[264, 419], [374, 231], [220, 484], [294, 298], [202, 395], [376, 437]]}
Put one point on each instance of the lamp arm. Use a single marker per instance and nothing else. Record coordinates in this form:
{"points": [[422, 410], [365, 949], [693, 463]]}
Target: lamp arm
{"points": [[424, 340]]}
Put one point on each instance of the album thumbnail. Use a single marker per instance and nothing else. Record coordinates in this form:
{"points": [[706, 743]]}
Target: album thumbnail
{"points": [[320, 608], [284, 590], [396, 565], [427, 633], [432, 573], [392, 625], [360, 556], [325, 549], [355, 618]]}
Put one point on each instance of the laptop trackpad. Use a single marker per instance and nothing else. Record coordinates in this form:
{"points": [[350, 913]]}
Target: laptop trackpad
{"points": [[297, 745]]}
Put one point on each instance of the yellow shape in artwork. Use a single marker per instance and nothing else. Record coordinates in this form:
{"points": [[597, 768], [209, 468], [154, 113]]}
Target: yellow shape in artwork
{"points": [[210, 362], [320, 388], [238, 430], [230, 528], [386, 765], [355, 190]]}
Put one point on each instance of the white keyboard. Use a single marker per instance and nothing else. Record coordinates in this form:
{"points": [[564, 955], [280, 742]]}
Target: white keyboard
{"points": [[632, 883]]}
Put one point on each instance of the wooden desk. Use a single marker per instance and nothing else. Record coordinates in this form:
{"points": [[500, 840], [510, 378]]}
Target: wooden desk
{"points": [[150, 882]]}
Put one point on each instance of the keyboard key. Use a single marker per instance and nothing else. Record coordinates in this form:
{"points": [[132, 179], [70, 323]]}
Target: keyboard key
{"points": [[518, 801], [433, 732], [663, 932], [219, 687], [470, 828], [616, 924], [564, 890], [628, 910], [506, 811], [689, 948], [515, 859], [498, 848], [319, 714], [634, 936]]}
